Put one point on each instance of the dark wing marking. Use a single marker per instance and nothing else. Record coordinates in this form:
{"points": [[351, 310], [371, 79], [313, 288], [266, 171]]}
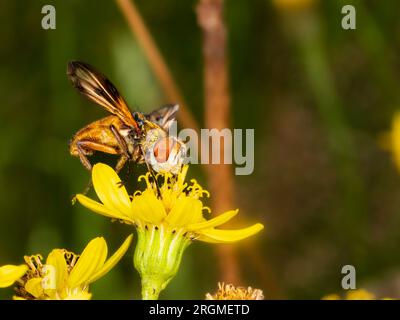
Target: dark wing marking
{"points": [[164, 116], [99, 89]]}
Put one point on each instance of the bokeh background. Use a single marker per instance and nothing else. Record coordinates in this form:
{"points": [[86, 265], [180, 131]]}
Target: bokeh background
{"points": [[317, 96]]}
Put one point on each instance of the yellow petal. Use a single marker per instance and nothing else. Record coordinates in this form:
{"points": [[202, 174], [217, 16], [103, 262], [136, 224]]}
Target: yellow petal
{"points": [[113, 260], [100, 208], [34, 287], [56, 259], [148, 207], [107, 186], [89, 262], [185, 211], [215, 222], [226, 236], [10, 273]]}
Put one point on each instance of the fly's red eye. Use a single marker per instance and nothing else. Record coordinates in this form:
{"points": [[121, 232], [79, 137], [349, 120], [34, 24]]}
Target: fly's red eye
{"points": [[162, 149]]}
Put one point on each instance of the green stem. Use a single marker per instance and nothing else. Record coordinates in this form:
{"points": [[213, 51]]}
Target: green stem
{"points": [[151, 288]]}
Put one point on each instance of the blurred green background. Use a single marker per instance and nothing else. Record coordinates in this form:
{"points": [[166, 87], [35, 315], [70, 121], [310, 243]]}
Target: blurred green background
{"points": [[318, 97]]}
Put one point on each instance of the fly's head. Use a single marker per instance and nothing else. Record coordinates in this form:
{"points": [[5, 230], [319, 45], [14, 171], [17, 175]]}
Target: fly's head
{"points": [[164, 153]]}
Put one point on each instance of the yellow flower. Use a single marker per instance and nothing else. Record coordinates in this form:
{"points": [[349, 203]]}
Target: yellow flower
{"points": [[177, 208], [65, 275], [168, 216], [230, 292], [391, 140], [10, 273], [359, 294]]}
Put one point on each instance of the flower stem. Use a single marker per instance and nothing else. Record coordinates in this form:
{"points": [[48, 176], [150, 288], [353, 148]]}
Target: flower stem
{"points": [[151, 288]]}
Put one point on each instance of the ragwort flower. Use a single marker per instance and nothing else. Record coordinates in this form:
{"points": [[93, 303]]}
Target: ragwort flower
{"points": [[230, 292], [65, 275], [168, 216], [357, 294]]}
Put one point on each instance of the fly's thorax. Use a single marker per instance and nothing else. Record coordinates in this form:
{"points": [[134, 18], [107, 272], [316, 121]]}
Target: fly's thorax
{"points": [[130, 137], [164, 153], [143, 124], [147, 132]]}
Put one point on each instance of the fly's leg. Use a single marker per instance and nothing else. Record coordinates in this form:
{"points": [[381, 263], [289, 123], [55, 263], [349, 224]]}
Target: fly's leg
{"points": [[82, 156], [83, 145], [124, 150], [86, 191], [121, 142], [120, 164], [153, 174], [128, 172]]}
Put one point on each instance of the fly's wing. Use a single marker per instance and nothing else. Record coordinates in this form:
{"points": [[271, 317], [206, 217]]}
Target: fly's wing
{"points": [[99, 89], [164, 116]]}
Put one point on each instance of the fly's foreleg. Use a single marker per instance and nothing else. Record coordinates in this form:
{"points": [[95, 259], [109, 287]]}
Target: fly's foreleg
{"points": [[153, 173]]}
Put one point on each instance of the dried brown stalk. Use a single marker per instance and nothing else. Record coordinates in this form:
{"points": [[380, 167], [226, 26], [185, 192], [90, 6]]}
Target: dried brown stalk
{"points": [[217, 115]]}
